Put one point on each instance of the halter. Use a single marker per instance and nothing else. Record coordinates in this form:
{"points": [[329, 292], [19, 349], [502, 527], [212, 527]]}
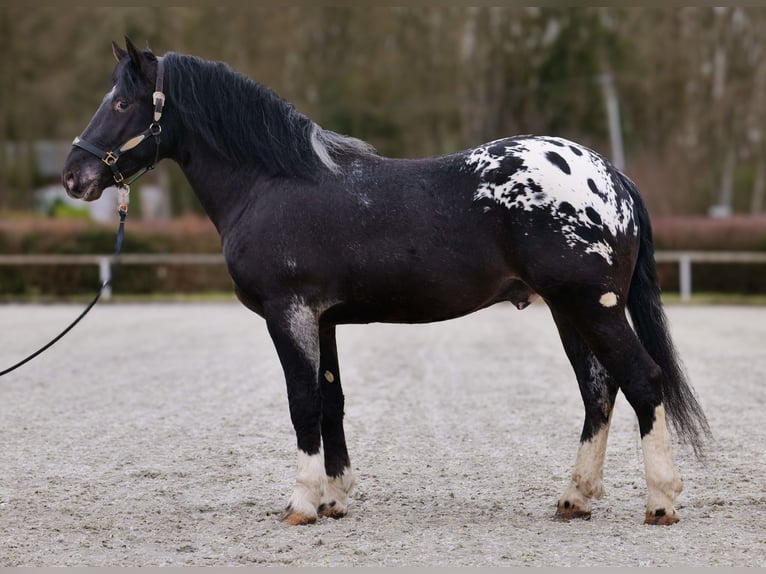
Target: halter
{"points": [[111, 157]]}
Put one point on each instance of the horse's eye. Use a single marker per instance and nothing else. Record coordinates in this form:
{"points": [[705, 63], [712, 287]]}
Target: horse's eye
{"points": [[121, 105]]}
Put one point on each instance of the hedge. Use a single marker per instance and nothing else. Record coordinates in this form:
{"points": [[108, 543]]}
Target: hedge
{"points": [[36, 235]]}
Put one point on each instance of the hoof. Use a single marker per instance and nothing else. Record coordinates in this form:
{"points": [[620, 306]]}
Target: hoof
{"points": [[568, 510], [567, 515], [331, 510], [661, 518], [292, 518]]}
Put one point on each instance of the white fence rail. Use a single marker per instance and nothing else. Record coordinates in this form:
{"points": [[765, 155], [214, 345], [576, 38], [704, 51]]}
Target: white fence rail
{"points": [[684, 259]]}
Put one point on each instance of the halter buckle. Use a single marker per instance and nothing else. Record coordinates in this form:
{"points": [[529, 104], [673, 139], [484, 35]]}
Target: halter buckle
{"points": [[110, 159], [158, 97]]}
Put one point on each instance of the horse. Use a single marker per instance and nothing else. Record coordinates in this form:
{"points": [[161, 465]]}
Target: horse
{"points": [[319, 230]]}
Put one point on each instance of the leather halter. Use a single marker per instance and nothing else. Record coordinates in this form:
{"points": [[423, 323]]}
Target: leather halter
{"points": [[111, 157]]}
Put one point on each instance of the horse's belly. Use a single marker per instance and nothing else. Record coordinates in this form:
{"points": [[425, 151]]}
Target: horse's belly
{"points": [[416, 301]]}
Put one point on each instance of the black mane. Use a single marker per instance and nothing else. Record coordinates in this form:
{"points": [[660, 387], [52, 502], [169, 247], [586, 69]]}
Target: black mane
{"points": [[248, 123]]}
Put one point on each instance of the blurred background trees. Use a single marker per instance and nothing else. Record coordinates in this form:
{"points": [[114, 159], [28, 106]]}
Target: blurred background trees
{"points": [[425, 81]]}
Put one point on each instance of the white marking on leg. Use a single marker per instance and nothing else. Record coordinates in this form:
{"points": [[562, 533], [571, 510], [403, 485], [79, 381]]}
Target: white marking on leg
{"points": [[608, 299], [588, 474], [302, 323], [662, 480], [335, 500], [310, 484]]}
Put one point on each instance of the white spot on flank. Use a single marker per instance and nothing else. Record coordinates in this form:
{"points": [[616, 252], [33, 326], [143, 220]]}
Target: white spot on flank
{"points": [[608, 299]]}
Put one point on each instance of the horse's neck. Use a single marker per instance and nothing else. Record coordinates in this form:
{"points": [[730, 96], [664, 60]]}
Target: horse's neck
{"points": [[221, 187]]}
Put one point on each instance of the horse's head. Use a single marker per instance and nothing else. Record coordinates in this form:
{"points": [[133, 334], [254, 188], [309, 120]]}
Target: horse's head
{"points": [[123, 135]]}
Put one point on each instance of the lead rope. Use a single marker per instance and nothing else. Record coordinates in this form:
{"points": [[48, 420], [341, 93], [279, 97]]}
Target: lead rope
{"points": [[123, 211]]}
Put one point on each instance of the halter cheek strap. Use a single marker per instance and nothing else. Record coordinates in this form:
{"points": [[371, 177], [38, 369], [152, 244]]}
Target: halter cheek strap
{"points": [[111, 157]]}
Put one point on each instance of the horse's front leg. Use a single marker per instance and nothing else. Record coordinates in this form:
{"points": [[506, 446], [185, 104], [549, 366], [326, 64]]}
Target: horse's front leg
{"points": [[294, 330], [340, 477]]}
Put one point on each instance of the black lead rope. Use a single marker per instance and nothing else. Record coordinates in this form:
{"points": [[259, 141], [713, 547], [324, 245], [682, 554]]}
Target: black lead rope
{"points": [[110, 158], [117, 248]]}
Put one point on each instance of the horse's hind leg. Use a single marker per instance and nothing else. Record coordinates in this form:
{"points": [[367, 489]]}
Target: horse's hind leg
{"points": [[340, 478], [598, 390], [611, 339]]}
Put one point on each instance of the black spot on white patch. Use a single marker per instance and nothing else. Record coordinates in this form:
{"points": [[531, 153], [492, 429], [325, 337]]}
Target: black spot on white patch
{"points": [[558, 161], [589, 234], [575, 150], [593, 215], [594, 188], [567, 209], [497, 149], [534, 186]]}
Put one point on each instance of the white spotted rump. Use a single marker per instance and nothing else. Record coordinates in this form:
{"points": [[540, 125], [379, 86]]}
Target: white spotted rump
{"points": [[574, 184]]}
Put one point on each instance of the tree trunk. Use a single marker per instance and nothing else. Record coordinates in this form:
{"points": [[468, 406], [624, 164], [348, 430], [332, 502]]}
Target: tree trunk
{"points": [[759, 186]]}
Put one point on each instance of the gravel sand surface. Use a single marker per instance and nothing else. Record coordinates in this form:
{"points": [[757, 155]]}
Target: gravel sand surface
{"points": [[159, 435]]}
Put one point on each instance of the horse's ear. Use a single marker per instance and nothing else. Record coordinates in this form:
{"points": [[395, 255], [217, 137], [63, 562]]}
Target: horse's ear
{"points": [[118, 52], [140, 59], [133, 52]]}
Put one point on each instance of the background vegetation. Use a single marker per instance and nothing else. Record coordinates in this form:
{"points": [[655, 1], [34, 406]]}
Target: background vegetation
{"points": [[691, 86], [424, 81]]}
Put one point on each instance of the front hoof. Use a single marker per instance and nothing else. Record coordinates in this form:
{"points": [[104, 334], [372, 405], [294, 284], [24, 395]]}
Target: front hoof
{"points": [[292, 518], [660, 517], [332, 510], [567, 510]]}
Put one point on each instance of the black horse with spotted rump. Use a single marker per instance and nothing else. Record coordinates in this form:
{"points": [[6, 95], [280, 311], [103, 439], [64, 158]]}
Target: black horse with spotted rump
{"points": [[318, 230]]}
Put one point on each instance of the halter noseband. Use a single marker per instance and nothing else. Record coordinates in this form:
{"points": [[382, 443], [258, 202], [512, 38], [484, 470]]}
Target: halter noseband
{"points": [[111, 157]]}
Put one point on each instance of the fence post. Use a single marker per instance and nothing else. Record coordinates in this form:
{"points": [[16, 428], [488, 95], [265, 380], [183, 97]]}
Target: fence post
{"points": [[105, 274], [685, 277]]}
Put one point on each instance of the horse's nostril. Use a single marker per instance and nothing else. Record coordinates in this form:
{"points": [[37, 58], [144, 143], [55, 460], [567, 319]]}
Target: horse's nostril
{"points": [[69, 181]]}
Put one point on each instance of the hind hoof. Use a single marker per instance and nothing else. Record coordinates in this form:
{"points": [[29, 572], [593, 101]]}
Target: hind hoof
{"points": [[661, 518], [567, 510], [292, 518], [332, 510]]}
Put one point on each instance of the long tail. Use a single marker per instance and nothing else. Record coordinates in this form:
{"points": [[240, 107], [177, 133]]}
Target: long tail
{"points": [[650, 324]]}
